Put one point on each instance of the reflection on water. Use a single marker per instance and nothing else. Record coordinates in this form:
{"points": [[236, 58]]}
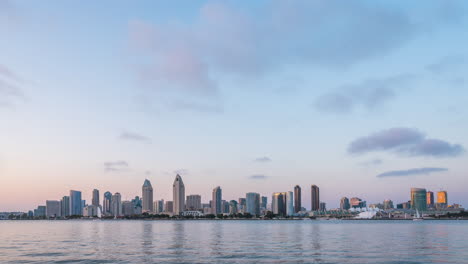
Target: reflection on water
{"points": [[233, 241]]}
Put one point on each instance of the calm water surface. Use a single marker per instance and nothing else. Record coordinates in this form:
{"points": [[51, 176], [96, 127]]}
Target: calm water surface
{"points": [[233, 242]]}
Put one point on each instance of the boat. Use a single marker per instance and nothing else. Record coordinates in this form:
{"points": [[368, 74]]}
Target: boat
{"points": [[418, 217]]}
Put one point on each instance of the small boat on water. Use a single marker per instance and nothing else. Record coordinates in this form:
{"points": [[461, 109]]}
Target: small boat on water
{"points": [[418, 217]]}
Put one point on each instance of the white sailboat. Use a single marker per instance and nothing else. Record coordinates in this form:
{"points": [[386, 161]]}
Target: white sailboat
{"points": [[418, 217], [99, 212]]}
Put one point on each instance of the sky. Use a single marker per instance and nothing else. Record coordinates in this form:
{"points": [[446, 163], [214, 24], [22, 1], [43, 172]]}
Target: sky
{"points": [[361, 98]]}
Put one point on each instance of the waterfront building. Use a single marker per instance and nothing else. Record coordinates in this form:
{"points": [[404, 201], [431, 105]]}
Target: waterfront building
{"points": [[193, 202], [233, 207], [241, 205], [322, 207], [116, 204], [356, 202], [195, 213], [344, 204], [297, 198], [137, 206], [95, 199], [253, 203], [278, 203], [264, 202], [178, 194], [106, 203], [216, 202], [147, 196], [442, 199], [40, 211], [225, 206], [76, 206], [387, 204], [418, 199], [90, 211], [289, 203], [128, 208], [65, 206], [169, 207], [52, 209], [158, 206], [315, 198], [430, 199]]}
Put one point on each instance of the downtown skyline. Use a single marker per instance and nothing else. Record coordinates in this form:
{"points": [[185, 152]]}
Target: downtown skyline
{"points": [[250, 96]]}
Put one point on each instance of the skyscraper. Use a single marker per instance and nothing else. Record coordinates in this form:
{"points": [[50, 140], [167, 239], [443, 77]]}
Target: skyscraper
{"points": [[193, 202], [241, 205], [106, 203], [65, 206], [297, 198], [322, 207], [116, 204], [430, 199], [52, 208], [289, 203], [233, 207], [169, 207], [178, 194], [278, 203], [95, 200], [253, 203], [387, 204], [418, 199], [344, 203], [442, 198], [147, 197], [264, 202], [315, 198], [216, 201], [76, 207]]}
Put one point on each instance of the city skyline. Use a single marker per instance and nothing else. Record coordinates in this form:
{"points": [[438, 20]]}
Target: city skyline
{"points": [[264, 94]]}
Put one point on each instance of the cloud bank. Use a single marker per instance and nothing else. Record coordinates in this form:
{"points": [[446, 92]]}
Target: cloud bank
{"points": [[116, 166], [406, 141], [134, 137], [411, 172], [258, 177], [262, 159]]}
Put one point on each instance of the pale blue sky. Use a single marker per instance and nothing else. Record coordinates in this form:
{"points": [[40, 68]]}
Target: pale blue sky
{"points": [[207, 87]]}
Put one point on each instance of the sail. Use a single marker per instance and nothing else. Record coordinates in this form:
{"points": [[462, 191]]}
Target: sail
{"points": [[99, 213]]}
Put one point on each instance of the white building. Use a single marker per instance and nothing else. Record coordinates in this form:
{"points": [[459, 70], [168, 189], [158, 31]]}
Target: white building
{"points": [[178, 192]]}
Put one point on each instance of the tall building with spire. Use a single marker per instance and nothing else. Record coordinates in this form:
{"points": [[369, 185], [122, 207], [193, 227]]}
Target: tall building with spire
{"points": [[178, 194], [147, 197], [315, 198], [95, 200], [297, 198], [216, 202]]}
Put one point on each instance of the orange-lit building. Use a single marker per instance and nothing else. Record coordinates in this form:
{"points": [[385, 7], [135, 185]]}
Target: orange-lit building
{"points": [[442, 197]]}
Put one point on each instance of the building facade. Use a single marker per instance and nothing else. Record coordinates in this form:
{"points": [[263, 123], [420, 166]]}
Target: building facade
{"points": [[442, 199], [147, 197], [430, 199], [344, 204], [106, 203], [76, 205], [278, 203], [65, 206], [419, 199], [53, 209], [216, 202], [178, 194], [253, 203], [95, 199], [116, 205], [315, 198], [297, 198], [193, 202]]}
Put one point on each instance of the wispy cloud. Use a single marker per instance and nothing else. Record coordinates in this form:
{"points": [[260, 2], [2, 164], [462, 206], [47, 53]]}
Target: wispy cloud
{"points": [[411, 172], [370, 94], [116, 166], [407, 141], [258, 177], [262, 159], [134, 137]]}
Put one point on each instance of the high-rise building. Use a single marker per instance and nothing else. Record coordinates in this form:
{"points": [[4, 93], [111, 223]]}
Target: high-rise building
{"points": [[169, 207], [116, 204], [278, 203], [430, 199], [76, 206], [264, 202], [65, 206], [106, 203], [158, 206], [241, 205], [418, 199], [289, 203], [442, 198], [90, 211], [344, 203], [147, 197], [224, 207], [322, 207], [127, 208], [253, 203], [233, 207], [387, 204], [52, 209], [178, 194], [356, 202], [95, 200], [193, 202], [217, 197], [315, 198], [297, 198], [137, 206], [40, 211]]}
